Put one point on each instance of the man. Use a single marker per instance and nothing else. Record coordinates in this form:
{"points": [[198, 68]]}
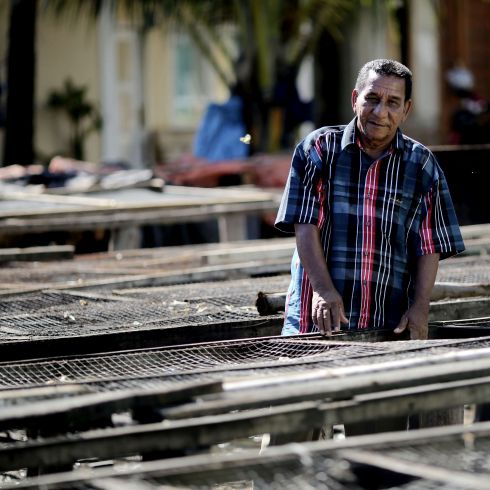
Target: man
{"points": [[372, 216]]}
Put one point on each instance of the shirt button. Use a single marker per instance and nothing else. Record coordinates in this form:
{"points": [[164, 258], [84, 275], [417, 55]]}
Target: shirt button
{"points": [[366, 254], [364, 283], [368, 222]]}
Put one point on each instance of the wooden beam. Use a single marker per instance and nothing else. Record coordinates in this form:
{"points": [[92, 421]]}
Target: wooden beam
{"points": [[470, 304], [193, 274], [51, 252], [206, 431], [420, 469], [84, 411], [210, 467]]}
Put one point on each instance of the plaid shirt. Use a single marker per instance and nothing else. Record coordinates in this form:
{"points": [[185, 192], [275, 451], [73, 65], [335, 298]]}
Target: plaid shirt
{"points": [[375, 218]]}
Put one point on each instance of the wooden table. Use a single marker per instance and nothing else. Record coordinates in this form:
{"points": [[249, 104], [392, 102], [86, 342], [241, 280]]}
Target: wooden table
{"points": [[124, 211]]}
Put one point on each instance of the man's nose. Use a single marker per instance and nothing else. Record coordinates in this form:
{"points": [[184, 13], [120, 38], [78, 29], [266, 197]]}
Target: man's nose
{"points": [[380, 110]]}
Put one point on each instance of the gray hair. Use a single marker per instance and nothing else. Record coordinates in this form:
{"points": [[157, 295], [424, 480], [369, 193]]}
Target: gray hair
{"points": [[390, 68]]}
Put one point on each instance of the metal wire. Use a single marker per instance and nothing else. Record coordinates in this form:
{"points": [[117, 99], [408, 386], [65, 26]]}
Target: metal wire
{"points": [[54, 314], [160, 367]]}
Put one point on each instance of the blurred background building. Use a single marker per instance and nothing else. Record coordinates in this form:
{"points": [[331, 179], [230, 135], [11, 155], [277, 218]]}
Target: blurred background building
{"points": [[149, 83]]}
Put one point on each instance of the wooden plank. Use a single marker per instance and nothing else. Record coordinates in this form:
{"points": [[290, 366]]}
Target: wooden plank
{"points": [[89, 219], [196, 274], [458, 309], [446, 290], [119, 442], [475, 231], [471, 307], [457, 479], [206, 431], [90, 296], [209, 466], [232, 227], [87, 410], [476, 246], [43, 392], [51, 252]]}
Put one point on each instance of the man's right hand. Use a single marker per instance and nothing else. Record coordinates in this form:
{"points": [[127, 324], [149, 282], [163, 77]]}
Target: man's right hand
{"points": [[327, 312]]}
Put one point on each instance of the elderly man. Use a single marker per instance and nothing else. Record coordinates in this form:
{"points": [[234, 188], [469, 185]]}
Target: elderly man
{"points": [[372, 215]]}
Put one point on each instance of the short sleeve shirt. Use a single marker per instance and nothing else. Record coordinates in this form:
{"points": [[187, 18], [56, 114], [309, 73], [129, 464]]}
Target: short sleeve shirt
{"points": [[375, 218]]}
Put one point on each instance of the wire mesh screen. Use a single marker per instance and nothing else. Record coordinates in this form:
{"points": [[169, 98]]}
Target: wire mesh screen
{"points": [[34, 302], [152, 368], [108, 318], [465, 270], [55, 314]]}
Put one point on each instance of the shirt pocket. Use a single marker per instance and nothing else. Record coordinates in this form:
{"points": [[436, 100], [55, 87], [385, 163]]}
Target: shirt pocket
{"points": [[389, 214]]}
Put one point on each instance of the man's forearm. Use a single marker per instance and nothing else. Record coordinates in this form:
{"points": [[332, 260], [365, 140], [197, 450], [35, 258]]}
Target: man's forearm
{"points": [[327, 308], [417, 316], [312, 258], [427, 266]]}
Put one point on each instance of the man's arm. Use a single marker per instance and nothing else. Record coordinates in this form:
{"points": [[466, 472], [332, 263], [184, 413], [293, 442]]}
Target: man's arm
{"points": [[327, 306], [416, 317]]}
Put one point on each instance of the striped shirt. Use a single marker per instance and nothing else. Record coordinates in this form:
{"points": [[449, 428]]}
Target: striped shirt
{"points": [[375, 218]]}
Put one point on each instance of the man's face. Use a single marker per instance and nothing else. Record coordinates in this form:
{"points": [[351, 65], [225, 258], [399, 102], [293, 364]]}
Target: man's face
{"points": [[380, 108]]}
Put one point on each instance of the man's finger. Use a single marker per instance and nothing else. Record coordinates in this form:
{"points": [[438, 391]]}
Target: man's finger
{"points": [[336, 314], [402, 325], [326, 322], [343, 318]]}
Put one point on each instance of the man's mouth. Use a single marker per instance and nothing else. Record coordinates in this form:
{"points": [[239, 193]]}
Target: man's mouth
{"points": [[374, 123]]}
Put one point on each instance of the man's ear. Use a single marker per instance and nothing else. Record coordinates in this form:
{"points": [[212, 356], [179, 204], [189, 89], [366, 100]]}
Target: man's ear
{"points": [[406, 109], [354, 96]]}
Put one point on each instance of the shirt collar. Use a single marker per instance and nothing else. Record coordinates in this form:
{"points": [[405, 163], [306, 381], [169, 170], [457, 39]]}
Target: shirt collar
{"points": [[349, 137]]}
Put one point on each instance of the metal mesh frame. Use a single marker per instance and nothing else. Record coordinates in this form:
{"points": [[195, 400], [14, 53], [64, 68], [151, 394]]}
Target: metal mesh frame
{"points": [[35, 302], [55, 314], [161, 367], [456, 270], [109, 318], [474, 270]]}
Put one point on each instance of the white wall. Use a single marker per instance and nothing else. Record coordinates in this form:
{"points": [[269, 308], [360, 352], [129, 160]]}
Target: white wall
{"points": [[65, 47], [368, 35], [424, 121]]}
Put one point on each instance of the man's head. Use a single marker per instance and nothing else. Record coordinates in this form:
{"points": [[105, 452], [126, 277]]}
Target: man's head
{"points": [[381, 100], [387, 68]]}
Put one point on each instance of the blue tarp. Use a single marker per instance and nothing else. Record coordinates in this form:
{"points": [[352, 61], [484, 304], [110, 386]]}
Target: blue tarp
{"points": [[218, 135]]}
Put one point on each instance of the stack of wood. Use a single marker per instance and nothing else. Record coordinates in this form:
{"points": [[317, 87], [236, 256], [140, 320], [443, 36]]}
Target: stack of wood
{"points": [[163, 353]]}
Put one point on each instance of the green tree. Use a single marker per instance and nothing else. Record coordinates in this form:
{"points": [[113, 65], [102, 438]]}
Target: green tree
{"points": [[273, 38], [82, 115]]}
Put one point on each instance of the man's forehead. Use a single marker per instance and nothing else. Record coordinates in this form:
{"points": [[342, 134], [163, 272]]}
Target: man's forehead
{"points": [[391, 84]]}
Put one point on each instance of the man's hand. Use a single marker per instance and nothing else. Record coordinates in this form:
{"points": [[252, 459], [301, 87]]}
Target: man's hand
{"points": [[327, 312], [416, 319]]}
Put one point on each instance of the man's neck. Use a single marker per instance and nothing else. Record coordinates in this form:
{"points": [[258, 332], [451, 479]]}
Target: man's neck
{"points": [[372, 149]]}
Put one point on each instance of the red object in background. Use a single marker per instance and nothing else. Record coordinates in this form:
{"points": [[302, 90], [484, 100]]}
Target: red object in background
{"points": [[264, 171]]}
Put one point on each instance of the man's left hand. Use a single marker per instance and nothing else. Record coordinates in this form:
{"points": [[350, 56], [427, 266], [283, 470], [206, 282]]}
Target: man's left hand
{"points": [[416, 319]]}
